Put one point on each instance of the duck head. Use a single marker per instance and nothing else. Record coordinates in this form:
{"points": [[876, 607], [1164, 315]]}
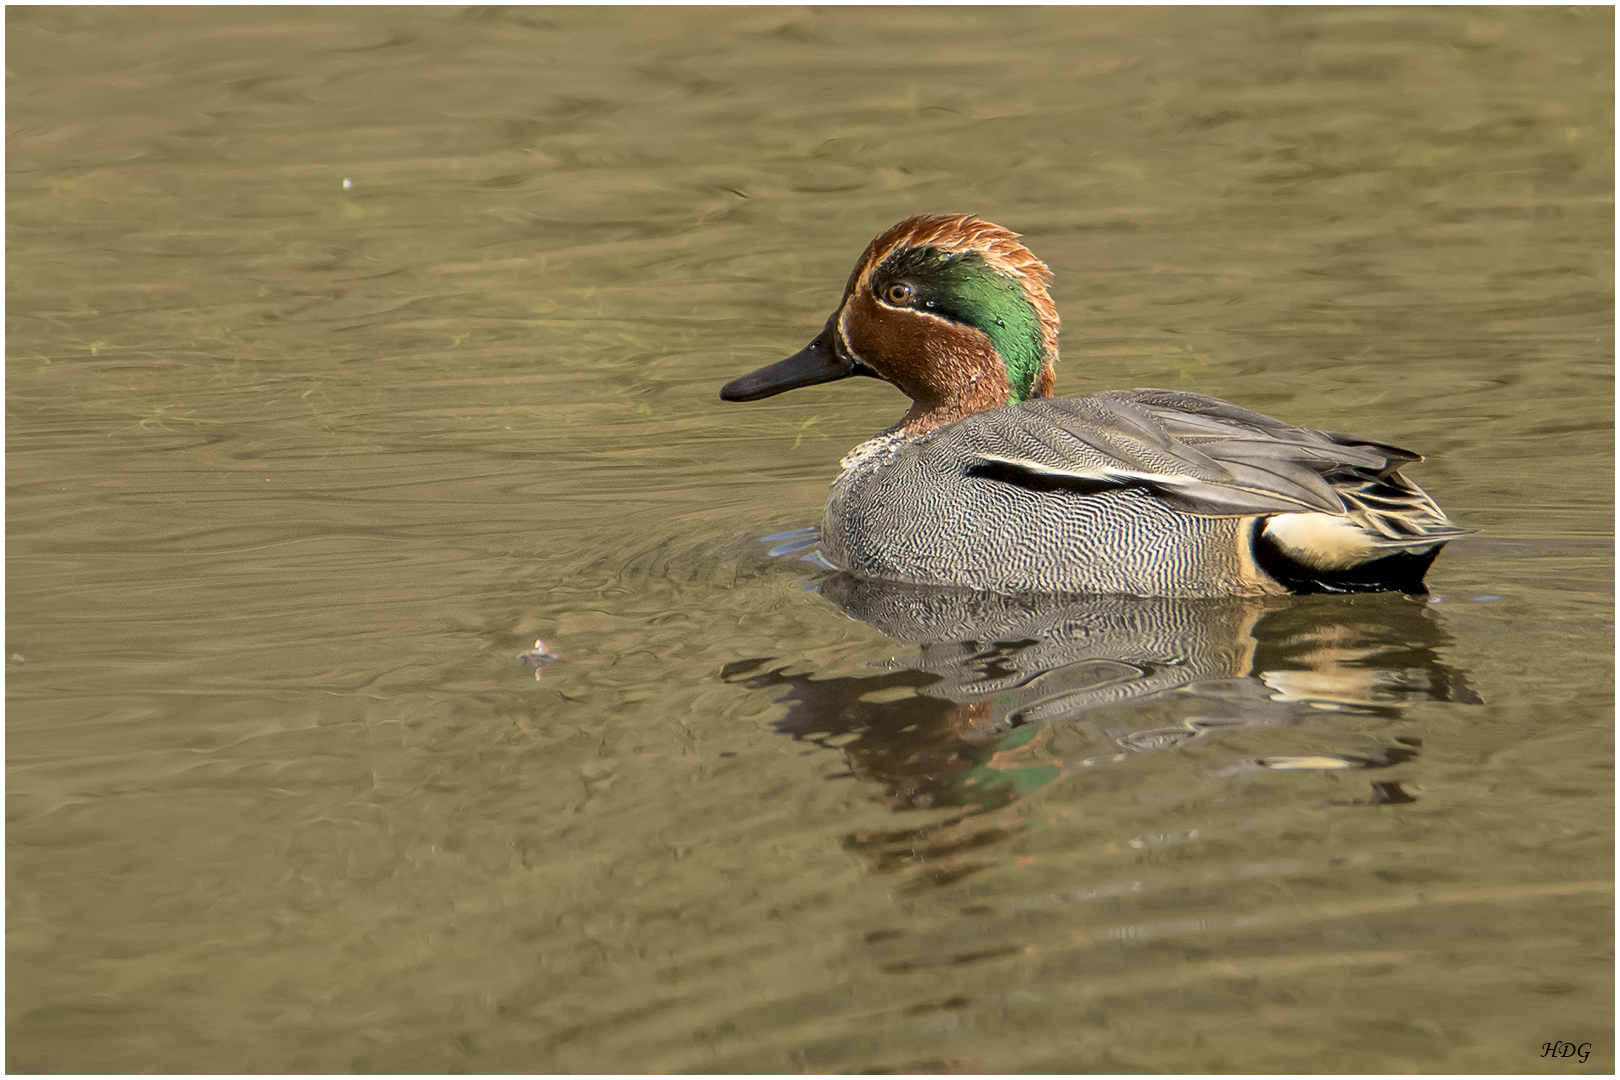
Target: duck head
{"points": [[952, 310]]}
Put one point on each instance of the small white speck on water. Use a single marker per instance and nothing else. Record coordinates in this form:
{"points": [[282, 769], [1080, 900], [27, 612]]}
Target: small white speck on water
{"points": [[347, 183]]}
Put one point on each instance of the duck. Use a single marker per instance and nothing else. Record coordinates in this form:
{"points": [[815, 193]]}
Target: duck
{"points": [[990, 483]]}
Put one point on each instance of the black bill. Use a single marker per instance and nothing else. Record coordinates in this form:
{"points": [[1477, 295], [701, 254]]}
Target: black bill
{"points": [[817, 362]]}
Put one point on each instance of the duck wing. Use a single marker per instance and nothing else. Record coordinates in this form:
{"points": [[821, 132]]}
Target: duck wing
{"points": [[1202, 456]]}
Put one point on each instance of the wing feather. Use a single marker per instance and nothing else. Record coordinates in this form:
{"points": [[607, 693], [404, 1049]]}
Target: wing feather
{"points": [[1203, 456]]}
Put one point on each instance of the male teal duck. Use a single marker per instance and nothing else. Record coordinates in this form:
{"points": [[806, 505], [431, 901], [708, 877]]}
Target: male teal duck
{"points": [[990, 483]]}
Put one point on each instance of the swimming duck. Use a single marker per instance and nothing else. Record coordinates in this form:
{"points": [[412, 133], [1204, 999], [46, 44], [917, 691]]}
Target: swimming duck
{"points": [[988, 482]]}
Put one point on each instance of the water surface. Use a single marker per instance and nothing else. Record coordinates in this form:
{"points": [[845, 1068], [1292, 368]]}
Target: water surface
{"points": [[351, 350]]}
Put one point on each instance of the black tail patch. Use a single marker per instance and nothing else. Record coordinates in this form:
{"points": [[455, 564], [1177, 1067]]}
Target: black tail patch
{"points": [[1401, 572]]}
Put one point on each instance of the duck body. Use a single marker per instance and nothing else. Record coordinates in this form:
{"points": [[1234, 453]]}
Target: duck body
{"points": [[930, 515], [990, 483]]}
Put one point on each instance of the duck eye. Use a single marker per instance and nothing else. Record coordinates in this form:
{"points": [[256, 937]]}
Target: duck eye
{"points": [[898, 293]]}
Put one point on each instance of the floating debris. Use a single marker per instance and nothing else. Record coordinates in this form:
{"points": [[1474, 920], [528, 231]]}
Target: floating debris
{"points": [[539, 656], [1309, 761]]}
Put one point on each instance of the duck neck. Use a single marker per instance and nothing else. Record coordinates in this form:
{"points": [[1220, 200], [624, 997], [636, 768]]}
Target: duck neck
{"points": [[977, 387], [924, 417]]}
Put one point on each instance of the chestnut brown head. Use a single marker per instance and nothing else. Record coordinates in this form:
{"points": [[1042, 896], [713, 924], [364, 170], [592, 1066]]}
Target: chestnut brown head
{"points": [[952, 310]]}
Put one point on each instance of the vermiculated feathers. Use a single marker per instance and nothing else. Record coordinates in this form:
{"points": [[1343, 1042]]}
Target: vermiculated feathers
{"points": [[1151, 492]]}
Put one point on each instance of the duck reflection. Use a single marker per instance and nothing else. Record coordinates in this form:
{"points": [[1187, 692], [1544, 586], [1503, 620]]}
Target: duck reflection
{"points": [[966, 721]]}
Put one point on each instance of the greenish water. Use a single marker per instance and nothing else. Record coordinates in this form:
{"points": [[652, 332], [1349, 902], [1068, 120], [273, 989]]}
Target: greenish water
{"points": [[351, 350]]}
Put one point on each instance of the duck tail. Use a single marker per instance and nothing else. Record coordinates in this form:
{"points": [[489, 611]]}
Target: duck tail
{"points": [[1385, 539]]}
